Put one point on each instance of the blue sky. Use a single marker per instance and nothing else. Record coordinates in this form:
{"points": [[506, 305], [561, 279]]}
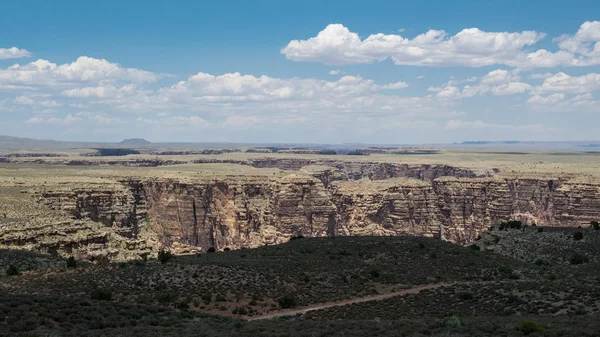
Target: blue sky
{"points": [[301, 71]]}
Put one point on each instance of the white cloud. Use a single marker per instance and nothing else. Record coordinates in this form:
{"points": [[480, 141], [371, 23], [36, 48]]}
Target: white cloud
{"points": [[334, 72], [84, 69], [35, 120], [582, 42], [24, 100], [397, 85], [13, 53], [52, 120], [510, 88], [541, 76], [500, 76], [50, 103], [470, 47], [420, 77], [544, 100], [562, 82]]}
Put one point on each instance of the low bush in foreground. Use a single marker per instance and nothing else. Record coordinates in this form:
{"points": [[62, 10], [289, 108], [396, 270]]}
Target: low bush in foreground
{"points": [[528, 327]]}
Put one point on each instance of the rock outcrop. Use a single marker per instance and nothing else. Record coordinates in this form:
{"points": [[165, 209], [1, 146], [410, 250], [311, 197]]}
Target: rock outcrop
{"points": [[123, 217]]}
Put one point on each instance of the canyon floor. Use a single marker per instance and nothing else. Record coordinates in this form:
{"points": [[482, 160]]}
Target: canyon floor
{"points": [[297, 242]]}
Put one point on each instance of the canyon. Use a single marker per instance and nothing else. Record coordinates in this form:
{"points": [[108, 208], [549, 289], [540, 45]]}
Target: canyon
{"points": [[122, 209]]}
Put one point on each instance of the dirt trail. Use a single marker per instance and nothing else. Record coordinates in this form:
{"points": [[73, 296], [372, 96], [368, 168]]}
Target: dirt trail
{"points": [[293, 312]]}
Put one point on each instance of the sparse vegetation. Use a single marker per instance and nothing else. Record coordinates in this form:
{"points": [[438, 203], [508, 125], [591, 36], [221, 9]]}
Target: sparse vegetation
{"points": [[579, 259], [71, 263], [453, 322], [164, 256], [528, 327], [101, 294], [287, 301], [12, 270]]}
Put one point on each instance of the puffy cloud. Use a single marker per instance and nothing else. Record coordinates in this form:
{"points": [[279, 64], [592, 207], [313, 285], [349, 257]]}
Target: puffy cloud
{"points": [[583, 41], [551, 99], [510, 88], [84, 69], [237, 90], [562, 82], [471, 47], [500, 76], [541, 76], [13, 53], [334, 72], [397, 85], [100, 91], [24, 100]]}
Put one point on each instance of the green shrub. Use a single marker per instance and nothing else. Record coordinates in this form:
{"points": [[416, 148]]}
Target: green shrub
{"points": [[474, 247], [240, 311], [421, 245], [577, 236], [541, 230], [12, 271], [71, 263], [465, 296], [101, 294], [183, 305], [528, 327], [166, 297], [375, 273], [164, 256], [579, 259], [207, 298], [287, 301], [595, 225], [211, 250], [453, 322], [513, 224], [297, 237]]}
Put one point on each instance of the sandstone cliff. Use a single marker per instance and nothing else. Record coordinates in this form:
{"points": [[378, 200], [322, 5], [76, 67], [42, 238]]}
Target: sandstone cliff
{"points": [[125, 216]]}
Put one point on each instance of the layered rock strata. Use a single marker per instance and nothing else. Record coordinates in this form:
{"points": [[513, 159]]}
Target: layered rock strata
{"points": [[135, 216]]}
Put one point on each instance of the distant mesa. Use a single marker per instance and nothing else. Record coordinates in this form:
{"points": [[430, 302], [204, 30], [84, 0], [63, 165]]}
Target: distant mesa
{"points": [[477, 142], [135, 142]]}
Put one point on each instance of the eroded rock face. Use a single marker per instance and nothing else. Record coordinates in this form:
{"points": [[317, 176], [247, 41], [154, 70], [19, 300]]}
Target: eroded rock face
{"points": [[136, 216], [459, 209]]}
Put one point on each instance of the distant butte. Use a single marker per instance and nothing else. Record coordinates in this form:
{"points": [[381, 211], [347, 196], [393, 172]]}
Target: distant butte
{"points": [[135, 142]]}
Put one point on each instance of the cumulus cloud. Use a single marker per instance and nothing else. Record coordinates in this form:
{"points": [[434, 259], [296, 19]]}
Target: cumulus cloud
{"points": [[84, 69], [500, 76], [551, 99], [13, 53], [510, 88], [334, 72], [471, 47], [561, 82], [346, 93]]}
